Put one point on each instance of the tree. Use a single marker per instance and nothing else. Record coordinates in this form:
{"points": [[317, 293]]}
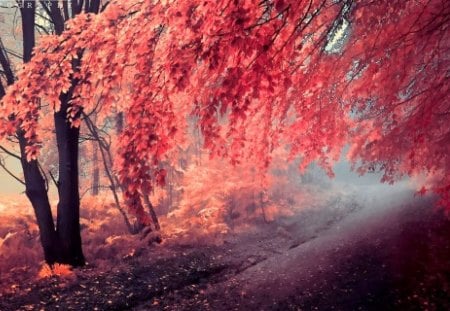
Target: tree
{"points": [[315, 75], [61, 243], [403, 113]]}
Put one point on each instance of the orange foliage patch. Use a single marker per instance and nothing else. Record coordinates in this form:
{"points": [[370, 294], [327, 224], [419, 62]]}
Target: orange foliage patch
{"points": [[59, 270]]}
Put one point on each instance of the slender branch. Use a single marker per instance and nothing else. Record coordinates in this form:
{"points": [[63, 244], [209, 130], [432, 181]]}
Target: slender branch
{"points": [[107, 163], [10, 153], [43, 17], [90, 188], [6, 64], [42, 28], [2, 165], [46, 9], [55, 182]]}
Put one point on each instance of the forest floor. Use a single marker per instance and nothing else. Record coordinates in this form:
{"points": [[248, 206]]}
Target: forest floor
{"points": [[342, 256]]}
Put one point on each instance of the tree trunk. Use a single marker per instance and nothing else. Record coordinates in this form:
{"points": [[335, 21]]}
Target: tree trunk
{"points": [[36, 192], [95, 169], [63, 244], [68, 223], [35, 184]]}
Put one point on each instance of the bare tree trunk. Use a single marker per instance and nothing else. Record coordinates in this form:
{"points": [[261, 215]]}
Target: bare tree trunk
{"points": [[95, 170], [37, 194], [68, 218]]}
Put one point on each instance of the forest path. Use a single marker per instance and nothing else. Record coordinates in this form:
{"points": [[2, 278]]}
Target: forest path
{"points": [[337, 257], [386, 258]]}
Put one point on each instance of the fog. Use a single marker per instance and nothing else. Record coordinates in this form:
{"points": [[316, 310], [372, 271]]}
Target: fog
{"points": [[367, 189]]}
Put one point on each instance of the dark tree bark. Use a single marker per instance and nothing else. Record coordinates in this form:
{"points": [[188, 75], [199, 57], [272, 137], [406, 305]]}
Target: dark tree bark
{"points": [[68, 217], [37, 194]]}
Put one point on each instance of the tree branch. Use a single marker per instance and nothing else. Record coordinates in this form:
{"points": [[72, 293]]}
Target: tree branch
{"points": [[2, 165], [10, 153], [6, 65], [54, 179]]}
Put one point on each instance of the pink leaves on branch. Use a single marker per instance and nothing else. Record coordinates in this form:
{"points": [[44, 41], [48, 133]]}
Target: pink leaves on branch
{"points": [[256, 75]]}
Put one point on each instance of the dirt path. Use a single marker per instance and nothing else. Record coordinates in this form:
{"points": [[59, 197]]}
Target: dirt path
{"points": [[339, 257], [392, 259]]}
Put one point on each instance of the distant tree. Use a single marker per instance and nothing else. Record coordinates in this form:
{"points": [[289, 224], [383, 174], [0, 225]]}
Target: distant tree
{"points": [[315, 75]]}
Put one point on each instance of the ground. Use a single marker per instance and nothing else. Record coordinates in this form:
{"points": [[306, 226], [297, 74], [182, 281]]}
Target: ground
{"points": [[343, 256]]}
